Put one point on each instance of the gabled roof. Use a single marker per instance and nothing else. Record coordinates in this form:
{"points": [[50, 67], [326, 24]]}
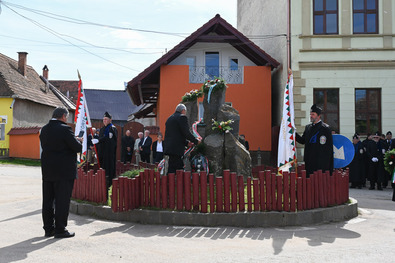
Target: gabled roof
{"points": [[29, 87], [116, 102], [145, 87]]}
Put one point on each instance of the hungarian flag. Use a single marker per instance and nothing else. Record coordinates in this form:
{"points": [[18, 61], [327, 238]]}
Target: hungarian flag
{"points": [[286, 141], [82, 121]]}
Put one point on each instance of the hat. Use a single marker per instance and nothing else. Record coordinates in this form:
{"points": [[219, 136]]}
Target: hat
{"points": [[389, 133], [377, 134], [316, 109], [356, 136], [108, 115]]}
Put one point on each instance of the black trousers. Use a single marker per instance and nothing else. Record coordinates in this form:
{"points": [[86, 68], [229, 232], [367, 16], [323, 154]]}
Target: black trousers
{"points": [[175, 163], [145, 157], [56, 204]]}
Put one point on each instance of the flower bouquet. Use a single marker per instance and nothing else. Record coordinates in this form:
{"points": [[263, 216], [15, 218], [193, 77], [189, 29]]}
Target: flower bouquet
{"points": [[192, 95], [223, 126]]}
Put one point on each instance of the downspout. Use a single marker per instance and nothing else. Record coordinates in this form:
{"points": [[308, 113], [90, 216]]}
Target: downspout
{"points": [[288, 35]]}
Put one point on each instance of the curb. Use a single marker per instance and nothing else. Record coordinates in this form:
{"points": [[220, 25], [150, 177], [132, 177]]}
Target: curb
{"points": [[241, 219]]}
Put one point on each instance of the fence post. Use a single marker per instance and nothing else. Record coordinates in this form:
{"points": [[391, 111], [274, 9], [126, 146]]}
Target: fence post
{"points": [[249, 197], [286, 191], [219, 199], [163, 182], [226, 178], [133, 193], [195, 187], [172, 191], [114, 196], [241, 193], [211, 189], [187, 191], [304, 189], [146, 187], [233, 185], [203, 187], [255, 185], [157, 189], [151, 200], [273, 193], [268, 177], [261, 175], [292, 190], [309, 193], [300, 193], [180, 175]]}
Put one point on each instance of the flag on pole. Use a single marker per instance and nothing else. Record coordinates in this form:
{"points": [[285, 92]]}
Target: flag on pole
{"points": [[286, 141], [82, 121]]}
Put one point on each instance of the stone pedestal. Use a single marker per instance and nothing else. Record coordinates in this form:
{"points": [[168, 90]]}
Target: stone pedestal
{"points": [[192, 111], [217, 98]]}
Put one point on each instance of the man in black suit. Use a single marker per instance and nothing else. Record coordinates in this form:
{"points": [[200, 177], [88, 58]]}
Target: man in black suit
{"points": [[127, 144], [317, 138], [59, 169], [145, 147], [177, 135]]}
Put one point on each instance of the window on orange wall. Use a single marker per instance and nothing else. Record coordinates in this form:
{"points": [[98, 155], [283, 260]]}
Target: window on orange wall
{"points": [[325, 17], [365, 16], [328, 100], [367, 110]]}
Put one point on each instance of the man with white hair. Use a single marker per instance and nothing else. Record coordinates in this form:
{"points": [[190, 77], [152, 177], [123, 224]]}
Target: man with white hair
{"points": [[177, 135]]}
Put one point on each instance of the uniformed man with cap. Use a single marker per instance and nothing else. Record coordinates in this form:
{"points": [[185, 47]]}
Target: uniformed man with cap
{"points": [[375, 151], [317, 138], [357, 168], [107, 142]]}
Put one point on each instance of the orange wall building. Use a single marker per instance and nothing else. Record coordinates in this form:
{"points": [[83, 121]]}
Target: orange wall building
{"points": [[252, 99]]}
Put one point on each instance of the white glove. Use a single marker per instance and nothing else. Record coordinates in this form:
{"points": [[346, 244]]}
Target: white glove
{"points": [[94, 141], [375, 160], [110, 135]]}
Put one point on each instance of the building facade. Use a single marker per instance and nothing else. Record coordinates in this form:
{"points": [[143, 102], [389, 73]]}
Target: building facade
{"points": [[342, 55]]}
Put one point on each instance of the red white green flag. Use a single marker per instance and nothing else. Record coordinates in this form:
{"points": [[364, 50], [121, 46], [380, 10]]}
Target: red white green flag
{"points": [[286, 141], [82, 121]]}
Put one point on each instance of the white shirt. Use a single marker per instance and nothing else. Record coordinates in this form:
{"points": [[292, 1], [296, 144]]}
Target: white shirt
{"points": [[159, 147]]}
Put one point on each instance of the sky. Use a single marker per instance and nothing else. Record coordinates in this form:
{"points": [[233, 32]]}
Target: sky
{"points": [[108, 42]]}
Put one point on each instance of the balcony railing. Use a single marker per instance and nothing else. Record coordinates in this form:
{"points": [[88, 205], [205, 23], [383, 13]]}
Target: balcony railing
{"points": [[201, 74]]}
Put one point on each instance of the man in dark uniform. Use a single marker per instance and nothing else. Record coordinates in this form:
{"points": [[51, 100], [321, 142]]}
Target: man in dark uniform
{"points": [[177, 135], [317, 138], [108, 148], [357, 166], [374, 151], [127, 145], [59, 169]]}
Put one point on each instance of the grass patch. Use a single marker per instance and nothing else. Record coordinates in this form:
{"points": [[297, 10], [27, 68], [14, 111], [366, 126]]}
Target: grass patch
{"points": [[17, 161]]}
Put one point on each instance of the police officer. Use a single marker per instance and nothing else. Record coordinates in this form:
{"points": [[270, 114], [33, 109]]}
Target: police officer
{"points": [[317, 138]]}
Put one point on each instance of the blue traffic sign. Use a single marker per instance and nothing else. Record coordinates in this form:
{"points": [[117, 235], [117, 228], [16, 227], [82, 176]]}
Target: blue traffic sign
{"points": [[343, 151]]}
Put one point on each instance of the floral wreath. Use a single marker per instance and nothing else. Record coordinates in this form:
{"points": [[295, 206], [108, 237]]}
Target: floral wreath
{"points": [[214, 84], [192, 95], [389, 161], [223, 126]]}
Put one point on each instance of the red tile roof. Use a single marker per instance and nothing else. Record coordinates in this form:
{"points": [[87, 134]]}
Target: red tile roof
{"points": [[24, 130]]}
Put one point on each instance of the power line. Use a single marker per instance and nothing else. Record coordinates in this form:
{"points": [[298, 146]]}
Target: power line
{"points": [[80, 21]]}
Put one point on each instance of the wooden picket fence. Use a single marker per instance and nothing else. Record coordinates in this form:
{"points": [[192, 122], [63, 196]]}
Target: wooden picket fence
{"points": [[186, 191]]}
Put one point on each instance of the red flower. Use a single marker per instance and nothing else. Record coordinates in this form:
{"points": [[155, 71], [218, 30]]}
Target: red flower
{"points": [[392, 157], [219, 127]]}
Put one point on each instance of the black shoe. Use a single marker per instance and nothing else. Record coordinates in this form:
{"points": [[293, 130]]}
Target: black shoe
{"points": [[371, 188], [50, 233], [359, 187], [380, 188], [65, 234]]}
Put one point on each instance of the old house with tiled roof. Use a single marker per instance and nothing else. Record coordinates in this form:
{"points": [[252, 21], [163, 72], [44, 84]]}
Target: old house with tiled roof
{"points": [[27, 101]]}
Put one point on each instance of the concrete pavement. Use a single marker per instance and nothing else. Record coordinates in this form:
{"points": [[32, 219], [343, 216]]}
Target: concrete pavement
{"points": [[370, 236]]}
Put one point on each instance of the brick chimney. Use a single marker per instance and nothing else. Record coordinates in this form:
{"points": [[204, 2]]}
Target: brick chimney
{"points": [[22, 62], [45, 72]]}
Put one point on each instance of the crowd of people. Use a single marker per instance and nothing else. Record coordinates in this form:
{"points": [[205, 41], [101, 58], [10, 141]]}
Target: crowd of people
{"points": [[368, 162]]}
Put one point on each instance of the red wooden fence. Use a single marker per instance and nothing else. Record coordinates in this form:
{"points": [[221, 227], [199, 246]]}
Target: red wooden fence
{"points": [[184, 191]]}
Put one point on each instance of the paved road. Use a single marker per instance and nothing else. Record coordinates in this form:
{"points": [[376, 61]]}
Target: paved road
{"points": [[370, 236]]}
